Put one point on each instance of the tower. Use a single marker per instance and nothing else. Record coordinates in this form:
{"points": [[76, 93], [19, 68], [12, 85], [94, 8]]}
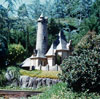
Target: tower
{"points": [[42, 36]]}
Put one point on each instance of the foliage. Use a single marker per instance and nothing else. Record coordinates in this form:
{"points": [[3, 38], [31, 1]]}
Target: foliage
{"points": [[2, 78], [16, 53], [80, 9], [59, 91], [61, 8], [14, 71], [87, 42], [96, 13], [53, 30], [82, 71], [22, 11], [35, 9], [88, 28], [3, 51], [91, 23], [11, 4], [41, 74]]}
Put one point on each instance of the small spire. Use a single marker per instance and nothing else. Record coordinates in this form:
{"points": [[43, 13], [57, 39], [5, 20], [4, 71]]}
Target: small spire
{"points": [[51, 51], [61, 33], [38, 52], [41, 16]]}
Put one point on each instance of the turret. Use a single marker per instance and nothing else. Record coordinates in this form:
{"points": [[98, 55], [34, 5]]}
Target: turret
{"points": [[42, 36]]}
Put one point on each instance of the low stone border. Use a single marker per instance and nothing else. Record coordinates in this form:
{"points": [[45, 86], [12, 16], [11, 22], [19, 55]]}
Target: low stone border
{"points": [[30, 82]]}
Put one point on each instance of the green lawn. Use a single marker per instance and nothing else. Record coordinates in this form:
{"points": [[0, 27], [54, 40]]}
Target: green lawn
{"points": [[40, 74]]}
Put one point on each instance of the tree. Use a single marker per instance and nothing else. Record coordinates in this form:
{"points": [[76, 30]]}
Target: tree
{"points": [[53, 30], [25, 21], [96, 13], [11, 4], [22, 11], [3, 51], [35, 9], [59, 9], [16, 53]]}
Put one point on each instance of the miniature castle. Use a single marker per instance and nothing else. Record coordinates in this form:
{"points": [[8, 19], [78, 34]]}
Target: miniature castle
{"points": [[44, 59]]}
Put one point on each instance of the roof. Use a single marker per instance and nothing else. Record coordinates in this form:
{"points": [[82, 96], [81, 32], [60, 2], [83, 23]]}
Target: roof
{"points": [[26, 63], [33, 56], [42, 18], [51, 51], [62, 42], [40, 54], [68, 46]]}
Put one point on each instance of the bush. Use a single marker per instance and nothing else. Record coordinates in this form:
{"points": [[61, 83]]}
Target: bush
{"points": [[3, 51], [16, 53], [2, 78], [87, 42], [12, 76], [82, 72], [14, 72], [59, 91]]}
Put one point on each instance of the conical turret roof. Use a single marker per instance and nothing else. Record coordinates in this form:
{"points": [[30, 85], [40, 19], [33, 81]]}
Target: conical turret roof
{"points": [[41, 16], [62, 42], [51, 51]]}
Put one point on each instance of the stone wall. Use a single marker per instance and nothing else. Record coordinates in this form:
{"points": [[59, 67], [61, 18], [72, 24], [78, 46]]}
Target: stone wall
{"points": [[30, 82]]}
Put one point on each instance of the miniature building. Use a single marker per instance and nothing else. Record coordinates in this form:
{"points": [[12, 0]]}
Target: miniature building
{"points": [[48, 60]]}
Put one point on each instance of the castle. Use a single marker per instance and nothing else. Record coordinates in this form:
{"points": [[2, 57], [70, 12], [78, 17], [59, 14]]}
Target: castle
{"points": [[44, 59]]}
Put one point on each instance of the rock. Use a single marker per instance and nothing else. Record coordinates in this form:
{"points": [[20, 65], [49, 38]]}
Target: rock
{"points": [[39, 82], [44, 82], [34, 83], [24, 81], [54, 81], [8, 77], [30, 84], [15, 83], [48, 82], [11, 74], [24, 85], [11, 80]]}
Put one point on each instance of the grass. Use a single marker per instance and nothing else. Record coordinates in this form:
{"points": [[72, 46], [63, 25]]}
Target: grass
{"points": [[40, 74], [60, 91]]}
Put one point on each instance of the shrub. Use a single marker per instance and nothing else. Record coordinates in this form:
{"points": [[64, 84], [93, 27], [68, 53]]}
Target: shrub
{"points": [[3, 51], [14, 72], [2, 78], [59, 91], [16, 53], [82, 72], [86, 42]]}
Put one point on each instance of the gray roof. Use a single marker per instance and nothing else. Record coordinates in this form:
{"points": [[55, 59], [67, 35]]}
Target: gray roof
{"points": [[51, 51], [62, 41], [41, 16], [26, 63], [40, 54]]}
